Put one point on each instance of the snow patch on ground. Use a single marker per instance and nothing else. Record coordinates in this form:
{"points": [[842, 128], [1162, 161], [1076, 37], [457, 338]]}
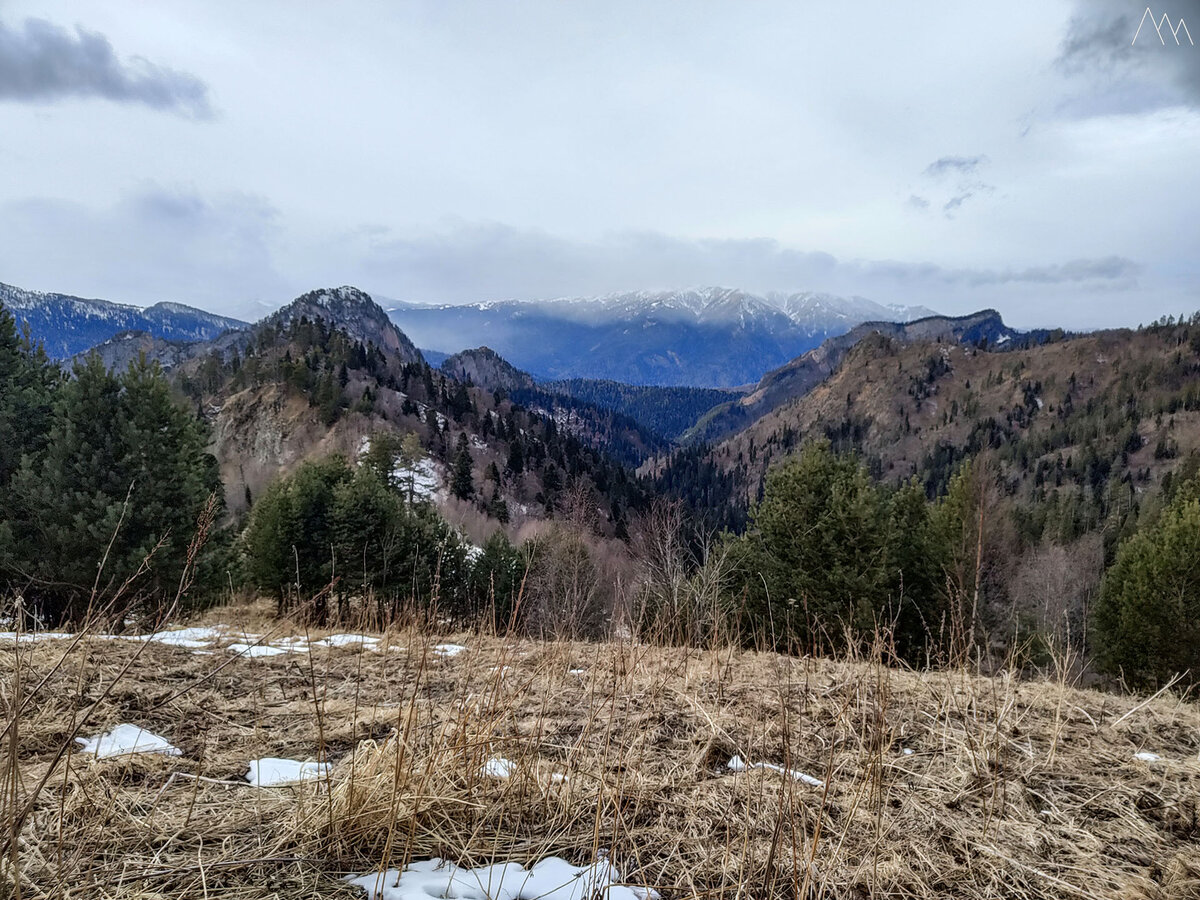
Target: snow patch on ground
{"points": [[29, 637], [550, 879], [125, 740], [737, 764], [1147, 756], [424, 476], [272, 770], [448, 649], [256, 650], [348, 640], [190, 638], [498, 767]]}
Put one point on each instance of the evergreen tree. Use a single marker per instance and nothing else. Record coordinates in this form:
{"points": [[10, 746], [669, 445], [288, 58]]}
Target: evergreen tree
{"points": [[1147, 621], [27, 384], [123, 479], [462, 484]]}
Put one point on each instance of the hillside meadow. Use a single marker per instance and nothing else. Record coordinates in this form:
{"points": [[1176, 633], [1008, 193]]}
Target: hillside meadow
{"points": [[850, 779]]}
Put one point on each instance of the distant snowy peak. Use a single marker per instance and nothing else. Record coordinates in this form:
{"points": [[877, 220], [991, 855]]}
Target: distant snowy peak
{"points": [[709, 305], [68, 325]]}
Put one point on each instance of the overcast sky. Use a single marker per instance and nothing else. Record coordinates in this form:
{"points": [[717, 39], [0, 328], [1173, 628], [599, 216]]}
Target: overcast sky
{"points": [[1021, 155]]}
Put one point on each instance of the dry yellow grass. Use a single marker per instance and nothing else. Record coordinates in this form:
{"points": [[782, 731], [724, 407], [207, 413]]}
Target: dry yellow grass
{"points": [[1013, 789]]}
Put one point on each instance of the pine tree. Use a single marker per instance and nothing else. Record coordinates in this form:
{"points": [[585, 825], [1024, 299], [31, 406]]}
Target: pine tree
{"points": [[462, 484], [1147, 621], [123, 479]]}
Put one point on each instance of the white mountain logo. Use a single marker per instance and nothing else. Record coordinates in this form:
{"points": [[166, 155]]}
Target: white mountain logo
{"points": [[1158, 27]]}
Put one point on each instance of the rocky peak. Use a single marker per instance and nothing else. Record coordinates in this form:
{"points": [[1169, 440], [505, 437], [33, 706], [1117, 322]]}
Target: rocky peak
{"points": [[353, 311], [487, 369]]}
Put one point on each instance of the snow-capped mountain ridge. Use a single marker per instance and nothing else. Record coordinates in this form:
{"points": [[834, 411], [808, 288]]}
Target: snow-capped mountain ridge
{"points": [[68, 325], [700, 336], [716, 304]]}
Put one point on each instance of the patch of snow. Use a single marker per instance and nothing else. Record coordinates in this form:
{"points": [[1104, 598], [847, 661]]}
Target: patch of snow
{"points": [[1040, 404], [255, 650], [1003, 339], [576, 671], [448, 649], [272, 770], [424, 477], [1147, 756], [125, 740], [737, 764], [498, 767], [348, 640], [908, 751], [190, 638], [29, 637], [551, 879]]}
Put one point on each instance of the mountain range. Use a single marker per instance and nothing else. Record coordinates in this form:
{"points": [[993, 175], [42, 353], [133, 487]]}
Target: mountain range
{"points": [[701, 337], [69, 325], [798, 376]]}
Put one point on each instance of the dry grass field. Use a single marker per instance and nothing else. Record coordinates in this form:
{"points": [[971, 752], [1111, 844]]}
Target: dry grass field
{"points": [[931, 784]]}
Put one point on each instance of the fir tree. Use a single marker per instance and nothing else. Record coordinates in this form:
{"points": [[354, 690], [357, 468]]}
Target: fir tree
{"points": [[462, 484]]}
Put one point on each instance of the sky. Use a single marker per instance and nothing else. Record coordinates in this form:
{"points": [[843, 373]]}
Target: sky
{"points": [[1026, 155]]}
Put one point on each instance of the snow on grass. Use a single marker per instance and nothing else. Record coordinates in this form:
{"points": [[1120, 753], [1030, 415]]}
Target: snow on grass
{"points": [[190, 638], [256, 650], [737, 764], [348, 640], [29, 637], [125, 740], [1147, 756], [550, 879], [498, 767], [447, 650], [271, 771]]}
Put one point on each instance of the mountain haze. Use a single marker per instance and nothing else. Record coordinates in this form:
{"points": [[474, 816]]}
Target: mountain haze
{"points": [[702, 337]]}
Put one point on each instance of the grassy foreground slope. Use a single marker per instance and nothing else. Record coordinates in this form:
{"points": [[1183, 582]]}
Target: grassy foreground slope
{"points": [[1011, 789]]}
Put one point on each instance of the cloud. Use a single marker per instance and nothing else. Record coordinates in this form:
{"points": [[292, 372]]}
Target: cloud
{"points": [[43, 63], [1115, 75], [962, 173], [960, 165], [1108, 271], [956, 201], [472, 262], [158, 243]]}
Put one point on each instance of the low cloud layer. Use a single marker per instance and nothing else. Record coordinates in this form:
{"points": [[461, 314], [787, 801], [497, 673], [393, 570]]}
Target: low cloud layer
{"points": [[43, 62], [231, 254]]}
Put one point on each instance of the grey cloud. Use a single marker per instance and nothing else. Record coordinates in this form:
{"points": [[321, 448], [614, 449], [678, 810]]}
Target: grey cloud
{"points": [[216, 251], [476, 262], [916, 202], [956, 201], [1115, 74], [1114, 271], [43, 63], [959, 165]]}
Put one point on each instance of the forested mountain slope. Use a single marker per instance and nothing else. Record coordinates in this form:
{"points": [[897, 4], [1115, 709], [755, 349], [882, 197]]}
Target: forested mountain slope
{"points": [[1084, 423]]}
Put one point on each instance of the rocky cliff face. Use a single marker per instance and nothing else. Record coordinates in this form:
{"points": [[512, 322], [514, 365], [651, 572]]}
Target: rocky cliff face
{"points": [[485, 368]]}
